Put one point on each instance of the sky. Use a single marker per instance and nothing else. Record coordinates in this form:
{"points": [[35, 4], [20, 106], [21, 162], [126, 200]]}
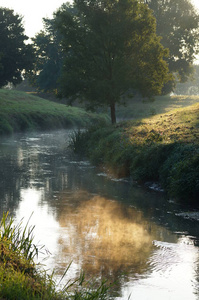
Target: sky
{"points": [[34, 10]]}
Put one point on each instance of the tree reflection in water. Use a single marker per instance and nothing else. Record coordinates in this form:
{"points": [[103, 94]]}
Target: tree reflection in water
{"points": [[104, 237]]}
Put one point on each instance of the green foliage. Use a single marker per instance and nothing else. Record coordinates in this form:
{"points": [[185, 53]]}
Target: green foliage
{"points": [[15, 54], [149, 160], [111, 50], [177, 24], [180, 173], [78, 141], [49, 58], [18, 239]]}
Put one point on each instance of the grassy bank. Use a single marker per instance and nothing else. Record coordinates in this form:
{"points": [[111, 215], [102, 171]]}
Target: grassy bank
{"points": [[163, 148], [20, 111], [21, 279]]}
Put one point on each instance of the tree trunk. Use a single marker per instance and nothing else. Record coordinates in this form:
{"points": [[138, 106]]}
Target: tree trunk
{"points": [[113, 115]]}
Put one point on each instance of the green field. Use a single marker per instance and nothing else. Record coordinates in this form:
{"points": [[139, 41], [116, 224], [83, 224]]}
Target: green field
{"points": [[20, 111]]}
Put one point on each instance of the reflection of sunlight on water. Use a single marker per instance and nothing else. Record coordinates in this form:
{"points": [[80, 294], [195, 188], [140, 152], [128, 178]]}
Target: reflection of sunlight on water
{"points": [[41, 216]]}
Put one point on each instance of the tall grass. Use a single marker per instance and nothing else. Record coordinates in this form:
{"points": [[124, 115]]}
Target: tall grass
{"points": [[19, 238], [20, 277]]}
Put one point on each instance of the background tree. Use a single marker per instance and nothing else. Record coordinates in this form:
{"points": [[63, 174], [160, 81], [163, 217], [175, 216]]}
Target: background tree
{"points": [[49, 58], [111, 50], [15, 55], [191, 86], [178, 25]]}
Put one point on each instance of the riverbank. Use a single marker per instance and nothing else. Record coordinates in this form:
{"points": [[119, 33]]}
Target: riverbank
{"points": [[20, 111], [22, 279], [162, 148]]}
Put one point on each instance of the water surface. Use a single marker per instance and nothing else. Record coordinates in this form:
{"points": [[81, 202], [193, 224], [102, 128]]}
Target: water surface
{"points": [[140, 240]]}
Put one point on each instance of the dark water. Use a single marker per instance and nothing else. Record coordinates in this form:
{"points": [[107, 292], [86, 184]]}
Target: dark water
{"points": [[140, 240]]}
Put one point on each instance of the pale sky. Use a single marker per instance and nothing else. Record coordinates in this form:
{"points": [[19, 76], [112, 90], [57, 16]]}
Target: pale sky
{"points": [[34, 10]]}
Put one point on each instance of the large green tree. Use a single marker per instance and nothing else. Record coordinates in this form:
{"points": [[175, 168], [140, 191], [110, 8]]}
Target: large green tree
{"points": [[49, 58], [111, 51], [178, 25], [16, 55]]}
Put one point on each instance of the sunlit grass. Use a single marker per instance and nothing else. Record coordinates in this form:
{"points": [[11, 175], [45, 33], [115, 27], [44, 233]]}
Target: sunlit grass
{"points": [[179, 125]]}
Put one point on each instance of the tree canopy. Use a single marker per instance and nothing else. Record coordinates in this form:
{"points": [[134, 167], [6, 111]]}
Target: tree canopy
{"points": [[15, 55], [111, 51], [178, 25], [49, 58]]}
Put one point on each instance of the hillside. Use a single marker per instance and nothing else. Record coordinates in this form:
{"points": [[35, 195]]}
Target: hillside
{"points": [[20, 111]]}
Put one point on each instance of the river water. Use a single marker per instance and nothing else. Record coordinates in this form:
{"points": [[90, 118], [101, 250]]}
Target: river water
{"points": [[136, 238]]}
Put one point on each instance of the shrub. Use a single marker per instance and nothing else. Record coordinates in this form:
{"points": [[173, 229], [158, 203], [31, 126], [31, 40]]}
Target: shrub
{"points": [[149, 159], [180, 173]]}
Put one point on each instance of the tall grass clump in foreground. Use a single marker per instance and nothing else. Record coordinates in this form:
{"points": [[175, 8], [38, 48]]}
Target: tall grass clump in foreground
{"points": [[163, 148], [22, 279]]}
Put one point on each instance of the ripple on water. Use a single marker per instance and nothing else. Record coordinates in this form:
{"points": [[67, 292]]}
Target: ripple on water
{"points": [[173, 273], [189, 215]]}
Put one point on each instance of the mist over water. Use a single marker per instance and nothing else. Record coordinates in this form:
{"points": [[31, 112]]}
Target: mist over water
{"points": [[137, 239]]}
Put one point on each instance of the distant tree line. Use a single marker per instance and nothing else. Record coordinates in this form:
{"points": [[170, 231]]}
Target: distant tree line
{"points": [[16, 56], [102, 52]]}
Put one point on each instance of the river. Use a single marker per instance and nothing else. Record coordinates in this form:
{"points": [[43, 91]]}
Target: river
{"points": [[136, 238]]}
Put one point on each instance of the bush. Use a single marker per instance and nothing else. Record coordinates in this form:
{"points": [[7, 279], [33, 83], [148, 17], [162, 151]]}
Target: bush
{"points": [[148, 161], [180, 173]]}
